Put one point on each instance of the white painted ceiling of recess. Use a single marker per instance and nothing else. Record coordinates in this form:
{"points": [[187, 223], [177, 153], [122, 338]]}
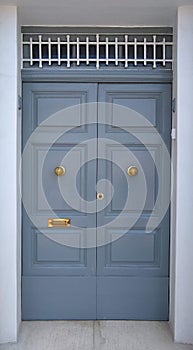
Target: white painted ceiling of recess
{"points": [[98, 12]]}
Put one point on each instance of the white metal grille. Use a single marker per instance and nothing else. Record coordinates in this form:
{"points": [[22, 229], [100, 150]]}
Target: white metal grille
{"points": [[96, 50]]}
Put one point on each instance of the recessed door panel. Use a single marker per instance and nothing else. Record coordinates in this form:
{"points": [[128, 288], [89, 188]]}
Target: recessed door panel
{"points": [[50, 182]]}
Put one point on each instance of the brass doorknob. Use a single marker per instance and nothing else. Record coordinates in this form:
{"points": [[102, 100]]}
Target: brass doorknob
{"points": [[132, 171], [60, 170]]}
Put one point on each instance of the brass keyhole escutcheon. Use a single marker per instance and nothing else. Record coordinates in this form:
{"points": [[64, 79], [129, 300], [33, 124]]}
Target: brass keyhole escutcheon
{"points": [[60, 170], [132, 171], [100, 195]]}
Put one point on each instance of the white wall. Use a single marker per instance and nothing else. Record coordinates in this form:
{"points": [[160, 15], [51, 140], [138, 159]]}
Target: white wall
{"points": [[181, 303], [8, 183], [19, 204], [183, 278], [92, 13], [173, 192], [98, 12]]}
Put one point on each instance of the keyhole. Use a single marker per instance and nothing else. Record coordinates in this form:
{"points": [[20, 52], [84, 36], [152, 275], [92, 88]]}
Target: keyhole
{"points": [[100, 195]]}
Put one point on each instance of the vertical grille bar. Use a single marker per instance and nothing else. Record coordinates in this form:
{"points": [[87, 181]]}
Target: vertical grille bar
{"points": [[135, 51], [49, 52], [154, 51], [97, 51], [77, 51], [126, 51], [68, 51], [145, 52], [164, 51], [40, 51], [87, 50], [31, 52], [107, 50], [59, 62], [116, 52]]}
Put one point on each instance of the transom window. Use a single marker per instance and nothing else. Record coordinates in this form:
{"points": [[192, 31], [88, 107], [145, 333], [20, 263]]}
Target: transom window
{"points": [[126, 49]]}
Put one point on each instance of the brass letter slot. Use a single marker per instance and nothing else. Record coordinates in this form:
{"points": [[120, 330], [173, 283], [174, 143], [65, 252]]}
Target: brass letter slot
{"points": [[59, 222]]}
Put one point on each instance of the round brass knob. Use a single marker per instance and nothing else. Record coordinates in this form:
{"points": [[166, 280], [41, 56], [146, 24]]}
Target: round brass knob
{"points": [[100, 195], [59, 170], [132, 171]]}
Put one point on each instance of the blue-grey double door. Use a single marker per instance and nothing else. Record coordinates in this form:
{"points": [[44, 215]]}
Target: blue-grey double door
{"points": [[105, 264]]}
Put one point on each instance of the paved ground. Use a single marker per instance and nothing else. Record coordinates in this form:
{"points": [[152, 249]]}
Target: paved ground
{"points": [[95, 335]]}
